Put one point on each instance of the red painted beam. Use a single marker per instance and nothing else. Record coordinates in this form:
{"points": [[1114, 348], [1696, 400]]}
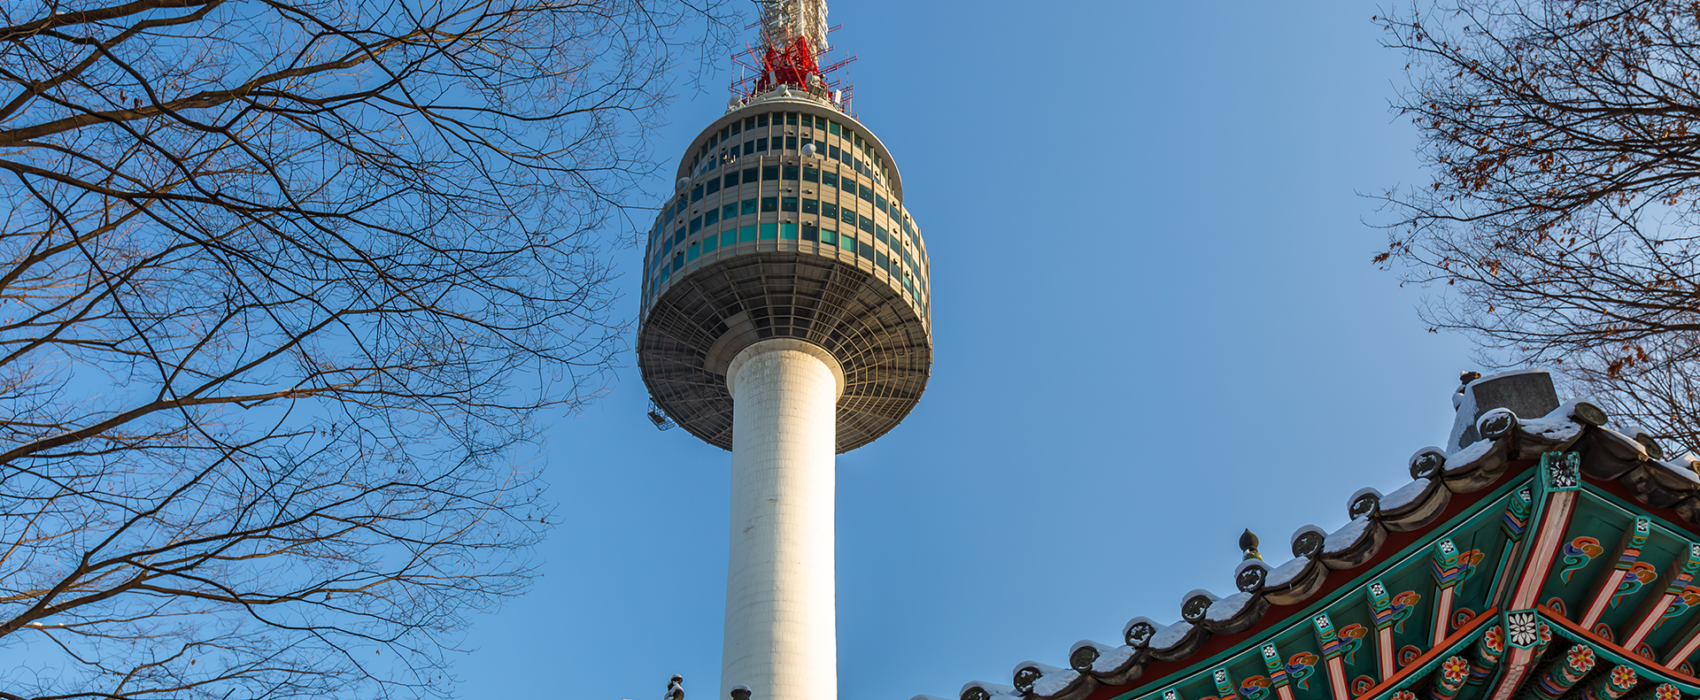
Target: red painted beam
{"points": [[1670, 603], [1610, 584]]}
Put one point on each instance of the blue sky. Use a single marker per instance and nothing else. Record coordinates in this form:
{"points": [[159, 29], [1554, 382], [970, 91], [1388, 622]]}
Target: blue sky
{"points": [[1156, 323]]}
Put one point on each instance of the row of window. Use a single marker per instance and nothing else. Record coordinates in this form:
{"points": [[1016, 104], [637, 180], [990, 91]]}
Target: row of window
{"points": [[664, 267], [770, 173], [828, 211], [856, 149], [792, 174], [897, 253], [758, 147]]}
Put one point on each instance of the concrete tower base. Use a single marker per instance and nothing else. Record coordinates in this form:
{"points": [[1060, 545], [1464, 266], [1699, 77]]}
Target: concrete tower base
{"points": [[783, 646]]}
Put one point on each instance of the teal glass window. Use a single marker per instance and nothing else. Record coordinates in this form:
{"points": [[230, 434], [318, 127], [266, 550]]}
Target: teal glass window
{"points": [[820, 146], [832, 152], [770, 204], [791, 118], [829, 179], [692, 252], [820, 122], [731, 179], [770, 172], [832, 128], [879, 234], [761, 144], [829, 210], [749, 148], [749, 122], [750, 176], [679, 236], [847, 242], [729, 236], [811, 206], [737, 127], [790, 142], [866, 224], [711, 217], [761, 120], [749, 206], [880, 261], [696, 224], [856, 165], [866, 249], [811, 175], [769, 231], [849, 216], [867, 192], [747, 233], [788, 232], [710, 242], [713, 186], [789, 172], [811, 232], [788, 204], [828, 237], [678, 261], [665, 273], [879, 202]]}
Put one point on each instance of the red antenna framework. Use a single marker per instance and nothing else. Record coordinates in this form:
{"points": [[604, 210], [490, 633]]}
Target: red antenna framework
{"points": [[793, 44]]}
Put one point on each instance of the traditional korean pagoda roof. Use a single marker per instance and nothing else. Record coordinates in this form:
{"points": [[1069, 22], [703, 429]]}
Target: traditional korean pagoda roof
{"points": [[1538, 557]]}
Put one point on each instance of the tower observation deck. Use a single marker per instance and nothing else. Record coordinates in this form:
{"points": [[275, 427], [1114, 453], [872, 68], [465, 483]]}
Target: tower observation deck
{"points": [[785, 317], [768, 240]]}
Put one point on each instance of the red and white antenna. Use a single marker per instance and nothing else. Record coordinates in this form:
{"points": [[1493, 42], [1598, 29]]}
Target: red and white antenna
{"points": [[793, 46]]}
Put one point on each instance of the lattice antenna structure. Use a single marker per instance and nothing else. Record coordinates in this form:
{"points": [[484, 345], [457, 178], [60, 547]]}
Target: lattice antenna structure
{"points": [[791, 53], [795, 26]]}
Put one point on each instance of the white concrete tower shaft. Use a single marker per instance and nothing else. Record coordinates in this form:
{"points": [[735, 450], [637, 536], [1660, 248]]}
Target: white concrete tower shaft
{"points": [[781, 619]]}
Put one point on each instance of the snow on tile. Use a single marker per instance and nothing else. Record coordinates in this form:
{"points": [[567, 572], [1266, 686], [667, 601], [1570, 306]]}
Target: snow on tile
{"points": [[1475, 451], [997, 691], [1171, 635], [1228, 608], [1342, 539], [1405, 496], [1286, 573], [1112, 659], [1054, 682]]}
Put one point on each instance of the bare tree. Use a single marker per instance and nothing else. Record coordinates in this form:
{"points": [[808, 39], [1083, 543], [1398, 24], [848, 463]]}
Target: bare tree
{"points": [[1564, 141], [287, 287]]}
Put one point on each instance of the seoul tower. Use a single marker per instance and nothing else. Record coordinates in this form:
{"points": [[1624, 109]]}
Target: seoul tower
{"points": [[786, 318]]}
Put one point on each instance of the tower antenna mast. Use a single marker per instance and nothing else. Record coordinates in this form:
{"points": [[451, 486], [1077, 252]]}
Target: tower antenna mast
{"points": [[792, 51]]}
